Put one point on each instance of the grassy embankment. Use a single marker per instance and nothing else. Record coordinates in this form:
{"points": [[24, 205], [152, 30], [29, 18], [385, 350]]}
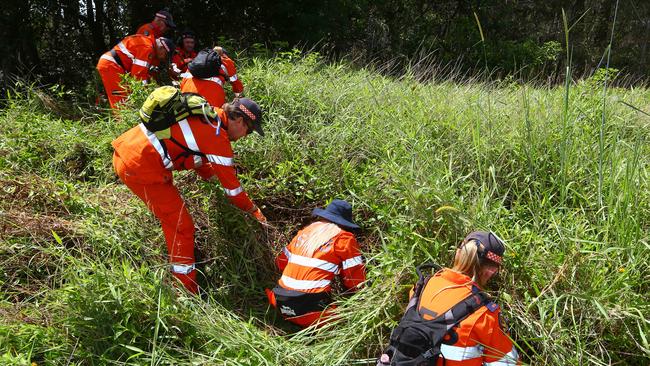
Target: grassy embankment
{"points": [[83, 275]]}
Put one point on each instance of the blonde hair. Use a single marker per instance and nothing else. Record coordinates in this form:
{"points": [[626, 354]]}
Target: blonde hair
{"points": [[467, 260]]}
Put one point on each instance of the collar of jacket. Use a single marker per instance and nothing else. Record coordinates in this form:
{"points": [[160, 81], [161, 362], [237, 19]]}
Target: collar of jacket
{"points": [[456, 277]]}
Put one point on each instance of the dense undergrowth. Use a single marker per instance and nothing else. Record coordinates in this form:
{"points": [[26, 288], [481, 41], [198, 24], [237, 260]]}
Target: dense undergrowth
{"points": [[561, 174]]}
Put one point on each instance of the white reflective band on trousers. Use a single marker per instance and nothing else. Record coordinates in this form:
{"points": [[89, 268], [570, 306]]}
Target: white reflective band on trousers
{"points": [[303, 284], [183, 268], [349, 263], [233, 78], [128, 54], [220, 160], [453, 353], [191, 141], [510, 359], [167, 162], [233, 192], [311, 262]]}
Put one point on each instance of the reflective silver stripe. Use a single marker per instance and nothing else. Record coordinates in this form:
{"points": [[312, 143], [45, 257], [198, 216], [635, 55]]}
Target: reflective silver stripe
{"points": [[454, 353], [225, 71], [140, 62], [183, 268], [349, 263], [110, 58], [233, 192], [221, 160], [304, 284], [510, 359], [190, 141], [187, 75], [311, 262], [233, 78], [128, 54], [158, 146], [125, 51]]}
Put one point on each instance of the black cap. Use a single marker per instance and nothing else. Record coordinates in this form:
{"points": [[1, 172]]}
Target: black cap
{"points": [[252, 110], [167, 17], [491, 247], [168, 45], [188, 34]]}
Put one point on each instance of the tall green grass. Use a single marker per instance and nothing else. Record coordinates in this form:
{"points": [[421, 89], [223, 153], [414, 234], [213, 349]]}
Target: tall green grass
{"points": [[83, 274]]}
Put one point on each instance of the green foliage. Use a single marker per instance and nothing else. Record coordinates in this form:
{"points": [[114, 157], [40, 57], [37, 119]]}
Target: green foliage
{"points": [[84, 261]]}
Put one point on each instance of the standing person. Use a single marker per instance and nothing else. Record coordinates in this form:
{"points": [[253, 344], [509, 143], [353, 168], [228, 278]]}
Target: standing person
{"points": [[159, 26], [211, 84], [145, 164], [185, 52], [137, 55], [309, 263], [464, 327]]}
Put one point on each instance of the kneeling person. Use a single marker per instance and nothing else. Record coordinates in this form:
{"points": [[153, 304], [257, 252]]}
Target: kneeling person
{"points": [[309, 263]]}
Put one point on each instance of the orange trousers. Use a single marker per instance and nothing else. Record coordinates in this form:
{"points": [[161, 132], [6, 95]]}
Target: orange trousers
{"points": [[166, 203], [319, 318], [111, 78]]}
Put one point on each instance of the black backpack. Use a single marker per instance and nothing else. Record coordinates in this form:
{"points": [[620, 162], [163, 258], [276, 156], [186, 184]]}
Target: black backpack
{"points": [[416, 341], [206, 64]]}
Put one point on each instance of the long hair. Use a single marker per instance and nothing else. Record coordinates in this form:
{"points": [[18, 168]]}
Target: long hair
{"points": [[467, 260], [319, 234]]}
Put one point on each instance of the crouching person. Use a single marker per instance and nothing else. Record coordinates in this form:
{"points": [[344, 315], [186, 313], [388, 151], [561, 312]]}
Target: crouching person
{"points": [[309, 263], [449, 319], [144, 161]]}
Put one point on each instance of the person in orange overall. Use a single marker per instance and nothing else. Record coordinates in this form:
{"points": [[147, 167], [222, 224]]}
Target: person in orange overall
{"points": [[159, 26], [482, 337], [145, 164], [185, 53], [309, 263], [136, 55], [212, 88]]}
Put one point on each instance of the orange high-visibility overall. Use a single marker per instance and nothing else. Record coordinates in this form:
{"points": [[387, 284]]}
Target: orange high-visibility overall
{"points": [[150, 30], [313, 272], [135, 54], [480, 339], [180, 60], [212, 88], [141, 163]]}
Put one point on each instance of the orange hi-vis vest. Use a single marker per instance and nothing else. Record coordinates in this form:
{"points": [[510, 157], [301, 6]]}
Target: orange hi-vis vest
{"points": [[149, 30], [136, 53], [317, 254], [153, 160], [181, 58], [480, 338]]}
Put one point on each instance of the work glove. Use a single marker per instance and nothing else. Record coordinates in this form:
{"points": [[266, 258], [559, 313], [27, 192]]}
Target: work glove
{"points": [[259, 216]]}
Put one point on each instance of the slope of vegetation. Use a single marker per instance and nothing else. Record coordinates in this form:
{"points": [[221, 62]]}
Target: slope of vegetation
{"points": [[562, 174]]}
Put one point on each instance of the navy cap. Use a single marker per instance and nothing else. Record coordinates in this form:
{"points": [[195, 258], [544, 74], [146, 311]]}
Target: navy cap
{"points": [[252, 110], [167, 17], [338, 212], [491, 247]]}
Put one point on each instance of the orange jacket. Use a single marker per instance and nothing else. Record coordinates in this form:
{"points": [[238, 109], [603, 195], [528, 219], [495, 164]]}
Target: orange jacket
{"points": [[337, 252], [481, 338], [180, 60], [229, 74], [150, 30], [136, 54], [211, 88], [144, 154]]}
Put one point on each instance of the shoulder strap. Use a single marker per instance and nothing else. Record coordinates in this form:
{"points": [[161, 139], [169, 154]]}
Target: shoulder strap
{"points": [[422, 277], [465, 308]]}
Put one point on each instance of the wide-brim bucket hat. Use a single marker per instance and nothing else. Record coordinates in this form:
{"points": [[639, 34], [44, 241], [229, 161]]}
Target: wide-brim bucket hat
{"points": [[338, 212]]}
